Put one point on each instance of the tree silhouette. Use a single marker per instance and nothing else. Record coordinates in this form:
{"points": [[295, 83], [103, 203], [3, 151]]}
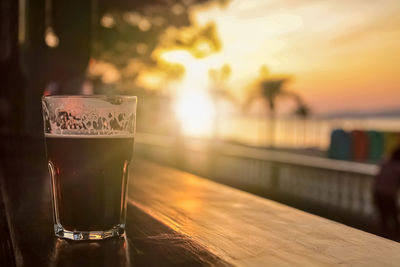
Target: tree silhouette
{"points": [[131, 34], [269, 88], [219, 91], [302, 110]]}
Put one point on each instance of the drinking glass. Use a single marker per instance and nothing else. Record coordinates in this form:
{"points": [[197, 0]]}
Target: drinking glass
{"points": [[89, 145]]}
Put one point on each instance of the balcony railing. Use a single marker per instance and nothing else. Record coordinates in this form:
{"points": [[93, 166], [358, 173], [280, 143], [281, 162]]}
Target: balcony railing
{"points": [[333, 185]]}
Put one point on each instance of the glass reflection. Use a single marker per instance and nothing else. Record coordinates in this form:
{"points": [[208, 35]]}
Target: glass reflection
{"points": [[109, 252]]}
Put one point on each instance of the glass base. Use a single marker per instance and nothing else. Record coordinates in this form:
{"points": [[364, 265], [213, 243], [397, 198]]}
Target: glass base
{"points": [[116, 231]]}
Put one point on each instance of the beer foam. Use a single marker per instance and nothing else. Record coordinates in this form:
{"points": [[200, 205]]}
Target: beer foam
{"points": [[91, 136], [102, 116]]}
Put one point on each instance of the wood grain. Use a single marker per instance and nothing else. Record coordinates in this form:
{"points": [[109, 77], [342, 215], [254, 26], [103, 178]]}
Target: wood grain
{"points": [[246, 230], [178, 219], [149, 242], [7, 254]]}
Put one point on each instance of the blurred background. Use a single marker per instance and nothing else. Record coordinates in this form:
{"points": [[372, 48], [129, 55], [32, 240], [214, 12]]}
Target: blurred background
{"points": [[297, 101]]}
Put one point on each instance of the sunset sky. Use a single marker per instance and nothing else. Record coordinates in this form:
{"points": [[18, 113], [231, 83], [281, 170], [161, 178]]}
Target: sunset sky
{"points": [[344, 55]]}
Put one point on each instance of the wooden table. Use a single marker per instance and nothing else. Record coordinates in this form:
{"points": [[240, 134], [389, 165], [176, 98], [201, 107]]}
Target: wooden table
{"points": [[178, 219]]}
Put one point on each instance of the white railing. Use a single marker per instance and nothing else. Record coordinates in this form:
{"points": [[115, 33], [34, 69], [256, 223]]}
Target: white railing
{"points": [[338, 184]]}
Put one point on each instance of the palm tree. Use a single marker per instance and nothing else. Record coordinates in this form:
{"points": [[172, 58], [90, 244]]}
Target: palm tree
{"points": [[301, 110], [269, 88], [219, 91]]}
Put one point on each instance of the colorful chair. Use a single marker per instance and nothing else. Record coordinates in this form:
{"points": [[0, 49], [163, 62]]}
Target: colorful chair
{"points": [[376, 145], [340, 146], [392, 140], [359, 145]]}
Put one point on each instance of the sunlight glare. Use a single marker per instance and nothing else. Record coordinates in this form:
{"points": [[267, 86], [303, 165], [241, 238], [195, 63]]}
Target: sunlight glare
{"points": [[195, 111], [178, 56]]}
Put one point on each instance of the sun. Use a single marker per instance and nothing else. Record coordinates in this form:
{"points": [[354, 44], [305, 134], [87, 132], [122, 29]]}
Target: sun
{"points": [[195, 111], [194, 107]]}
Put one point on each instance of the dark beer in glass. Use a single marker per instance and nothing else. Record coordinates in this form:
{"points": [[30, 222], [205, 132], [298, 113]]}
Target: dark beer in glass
{"points": [[89, 143]]}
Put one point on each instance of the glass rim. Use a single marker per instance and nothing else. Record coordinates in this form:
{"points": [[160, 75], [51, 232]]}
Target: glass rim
{"points": [[90, 96]]}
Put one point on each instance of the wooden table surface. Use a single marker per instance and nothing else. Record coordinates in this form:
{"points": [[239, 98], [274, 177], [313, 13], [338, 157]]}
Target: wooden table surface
{"points": [[246, 230], [178, 219]]}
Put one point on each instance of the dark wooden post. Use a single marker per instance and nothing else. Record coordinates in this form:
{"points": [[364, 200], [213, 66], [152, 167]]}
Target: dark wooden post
{"points": [[12, 82], [64, 62]]}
